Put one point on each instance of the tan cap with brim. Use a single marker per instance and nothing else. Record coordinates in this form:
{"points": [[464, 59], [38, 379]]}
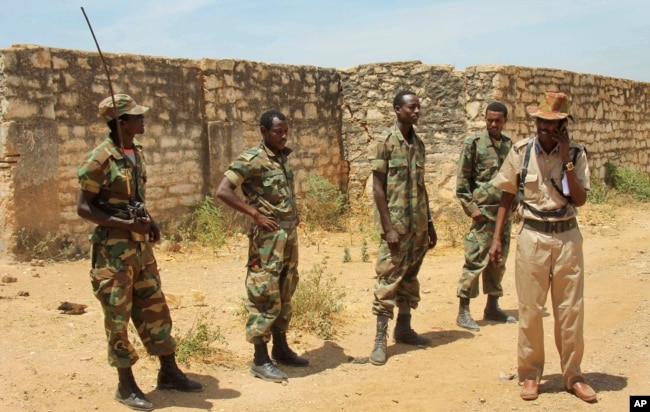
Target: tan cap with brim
{"points": [[125, 105], [554, 106]]}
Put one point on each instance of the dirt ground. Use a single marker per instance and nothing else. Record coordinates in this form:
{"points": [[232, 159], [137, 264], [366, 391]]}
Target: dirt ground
{"points": [[56, 362]]}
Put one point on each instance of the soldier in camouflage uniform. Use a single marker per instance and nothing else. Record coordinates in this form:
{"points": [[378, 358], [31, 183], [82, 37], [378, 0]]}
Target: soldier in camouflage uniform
{"points": [[479, 161], [124, 273], [404, 221], [267, 183]]}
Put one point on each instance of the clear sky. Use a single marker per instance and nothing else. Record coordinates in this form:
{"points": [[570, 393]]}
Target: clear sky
{"points": [[606, 37]]}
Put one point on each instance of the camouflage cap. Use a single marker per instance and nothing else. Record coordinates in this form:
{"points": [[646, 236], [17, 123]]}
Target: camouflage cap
{"points": [[125, 105], [554, 106]]}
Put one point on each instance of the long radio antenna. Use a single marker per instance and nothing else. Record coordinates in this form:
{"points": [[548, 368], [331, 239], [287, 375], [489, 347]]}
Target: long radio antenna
{"points": [[110, 87]]}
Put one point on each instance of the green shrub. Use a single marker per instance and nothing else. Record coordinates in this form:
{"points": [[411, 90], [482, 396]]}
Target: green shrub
{"points": [[317, 299], [207, 224], [33, 244], [198, 342], [322, 204], [346, 255], [628, 181], [451, 225], [365, 257], [599, 193]]}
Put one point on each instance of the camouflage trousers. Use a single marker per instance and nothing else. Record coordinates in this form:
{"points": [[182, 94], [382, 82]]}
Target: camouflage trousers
{"points": [[477, 260], [126, 282], [397, 283], [271, 281]]}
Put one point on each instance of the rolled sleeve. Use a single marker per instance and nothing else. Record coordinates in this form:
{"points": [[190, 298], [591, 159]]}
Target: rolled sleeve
{"points": [[234, 177]]}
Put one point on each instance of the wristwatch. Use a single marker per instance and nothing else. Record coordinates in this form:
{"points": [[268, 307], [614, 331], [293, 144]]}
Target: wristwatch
{"points": [[568, 166]]}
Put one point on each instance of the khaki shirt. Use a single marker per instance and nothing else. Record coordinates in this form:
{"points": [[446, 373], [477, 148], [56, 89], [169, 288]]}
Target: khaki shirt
{"points": [[543, 167]]}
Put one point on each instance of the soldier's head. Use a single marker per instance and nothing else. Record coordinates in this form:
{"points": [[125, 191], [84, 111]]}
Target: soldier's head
{"points": [[129, 115], [274, 129], [496, 116], [407, 107]]}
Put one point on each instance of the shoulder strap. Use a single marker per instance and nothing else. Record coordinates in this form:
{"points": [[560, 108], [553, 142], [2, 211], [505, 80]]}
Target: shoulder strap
{"points": [[524, 170]]}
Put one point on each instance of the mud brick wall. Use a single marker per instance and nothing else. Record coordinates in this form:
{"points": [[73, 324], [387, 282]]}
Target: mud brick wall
{"points": [[205, 112]]}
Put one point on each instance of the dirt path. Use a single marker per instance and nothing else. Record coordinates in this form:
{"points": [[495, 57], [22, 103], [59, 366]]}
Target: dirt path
{"points": [[56, 362]]}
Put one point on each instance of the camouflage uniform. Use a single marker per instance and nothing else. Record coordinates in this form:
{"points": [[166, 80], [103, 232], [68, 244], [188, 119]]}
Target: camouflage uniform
{"points": [[272, 276], [478, 163], [124, 272], [403, 164]]}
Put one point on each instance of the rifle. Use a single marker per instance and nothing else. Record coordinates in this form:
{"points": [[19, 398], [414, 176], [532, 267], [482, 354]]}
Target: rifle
{"points": [[135, 209]]}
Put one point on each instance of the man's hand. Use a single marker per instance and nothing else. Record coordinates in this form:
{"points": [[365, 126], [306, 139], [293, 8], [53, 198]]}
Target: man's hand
{"points": [[392, 238], [562, 139], [141, 225], [433, 236], [496, 252], [266, 222], [154, 233]]}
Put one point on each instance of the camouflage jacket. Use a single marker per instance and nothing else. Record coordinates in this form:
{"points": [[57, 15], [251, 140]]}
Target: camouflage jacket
{"points": [[478, 163], [403, 165], [106, 171], [266, 181]]}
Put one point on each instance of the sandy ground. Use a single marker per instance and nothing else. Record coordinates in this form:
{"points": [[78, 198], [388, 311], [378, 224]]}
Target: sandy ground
{"points": [[56, 362]]}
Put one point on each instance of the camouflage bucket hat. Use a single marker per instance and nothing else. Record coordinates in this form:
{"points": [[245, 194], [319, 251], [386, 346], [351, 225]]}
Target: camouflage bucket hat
{"points": [[125, 105], [554, 106]]}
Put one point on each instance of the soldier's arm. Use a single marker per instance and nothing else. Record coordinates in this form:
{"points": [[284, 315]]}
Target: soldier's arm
{"points": [[496, 249], [464, 180], [379, 194], [87, 209], [226, 193]]}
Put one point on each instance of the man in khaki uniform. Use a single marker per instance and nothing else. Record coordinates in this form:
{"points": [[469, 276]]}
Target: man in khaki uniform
{"points": [[554, 179]]}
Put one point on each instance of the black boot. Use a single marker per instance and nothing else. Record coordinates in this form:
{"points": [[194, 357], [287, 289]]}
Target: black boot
{"points": [[493, 311], [262, 366], [403, 332], [171, 377], [464, 319], [378, 354], [129, 393], [281, 352]]}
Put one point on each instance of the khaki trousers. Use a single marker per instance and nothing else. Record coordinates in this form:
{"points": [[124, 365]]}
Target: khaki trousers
{"points": [[550, 261]]}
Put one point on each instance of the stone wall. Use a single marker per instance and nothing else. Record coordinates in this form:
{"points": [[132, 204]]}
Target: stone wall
{"points": [[205, 112]]}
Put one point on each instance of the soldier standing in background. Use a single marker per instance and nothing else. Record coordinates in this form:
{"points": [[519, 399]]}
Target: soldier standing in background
{"points": [[404, 220], [554, 176], [124, 272], [479, 161], [267, 184]]}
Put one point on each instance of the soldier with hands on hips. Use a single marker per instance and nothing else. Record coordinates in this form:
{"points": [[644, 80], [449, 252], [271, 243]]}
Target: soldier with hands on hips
{"points": [[267, 183]]}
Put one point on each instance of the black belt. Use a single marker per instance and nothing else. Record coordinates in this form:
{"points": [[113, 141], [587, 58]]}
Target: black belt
{"points": [[550, 227]]}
